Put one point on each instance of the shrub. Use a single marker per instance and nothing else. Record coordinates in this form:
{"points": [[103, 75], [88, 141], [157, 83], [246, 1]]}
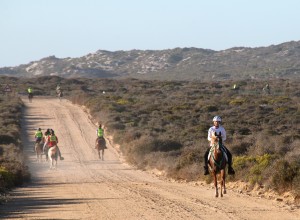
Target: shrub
{"points": [[285, 175], [210, 108], [240, 148], [6, 179], [175, 58], [189, 157], [237, 101], [163, 145], [256, 171]]}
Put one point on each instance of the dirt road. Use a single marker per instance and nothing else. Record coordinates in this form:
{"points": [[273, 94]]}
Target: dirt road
{"points": [[84, 187]]}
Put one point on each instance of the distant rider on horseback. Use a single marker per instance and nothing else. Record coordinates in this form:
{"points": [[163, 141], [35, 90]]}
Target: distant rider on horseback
{"points": [[100, 135], [30, 93], [217, 128], [46, 145], [38, 135], [52, 141], [29, 90]]}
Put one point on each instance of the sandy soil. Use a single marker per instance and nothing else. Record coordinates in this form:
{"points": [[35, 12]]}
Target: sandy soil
{"points": [[84, 187]]}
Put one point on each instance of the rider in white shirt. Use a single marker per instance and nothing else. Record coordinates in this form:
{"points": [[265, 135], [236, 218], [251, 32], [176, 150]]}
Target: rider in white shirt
{"points": [[217, 128]]}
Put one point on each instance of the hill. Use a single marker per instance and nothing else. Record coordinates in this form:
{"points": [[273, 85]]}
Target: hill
{"points": [[275, 61]]}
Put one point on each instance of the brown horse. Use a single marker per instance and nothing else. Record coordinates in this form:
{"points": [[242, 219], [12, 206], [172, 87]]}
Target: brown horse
{"points": [[52, 155], [217, 163], [38, 147], [100, 146]]}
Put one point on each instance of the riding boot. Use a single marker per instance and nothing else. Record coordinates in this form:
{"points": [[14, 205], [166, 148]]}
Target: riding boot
{"points": [[206, 162], [230, 169]]}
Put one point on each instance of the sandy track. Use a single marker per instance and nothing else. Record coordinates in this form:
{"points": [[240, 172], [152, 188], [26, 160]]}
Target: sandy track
{"points": [[84, 187]]}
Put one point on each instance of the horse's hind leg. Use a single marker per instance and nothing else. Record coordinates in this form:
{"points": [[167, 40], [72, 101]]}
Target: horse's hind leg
{"points": [[103, 154], [224, 186]]}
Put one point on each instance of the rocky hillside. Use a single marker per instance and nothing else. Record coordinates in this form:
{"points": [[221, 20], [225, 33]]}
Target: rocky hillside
{"points": [[275, 61]]}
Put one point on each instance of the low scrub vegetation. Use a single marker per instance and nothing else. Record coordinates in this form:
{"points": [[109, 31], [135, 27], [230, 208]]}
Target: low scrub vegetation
{"points": [[13, 171], [163, 124]]}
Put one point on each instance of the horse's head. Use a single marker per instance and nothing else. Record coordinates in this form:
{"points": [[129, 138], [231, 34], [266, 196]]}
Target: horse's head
{"points": [[217, 138]]}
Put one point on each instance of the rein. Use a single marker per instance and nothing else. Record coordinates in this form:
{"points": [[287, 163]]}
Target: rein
{"points": [[215, 161]]}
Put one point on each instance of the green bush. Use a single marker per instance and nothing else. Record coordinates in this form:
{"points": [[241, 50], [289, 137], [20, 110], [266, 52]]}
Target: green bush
{"points": [[6, 179], [257, 170], [238, 101]]}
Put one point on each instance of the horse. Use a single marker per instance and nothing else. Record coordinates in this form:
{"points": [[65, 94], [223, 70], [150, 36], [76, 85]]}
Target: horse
{"points": [[38, 147], [30, 96], [100, 146], [52, 155], [217, 163]]}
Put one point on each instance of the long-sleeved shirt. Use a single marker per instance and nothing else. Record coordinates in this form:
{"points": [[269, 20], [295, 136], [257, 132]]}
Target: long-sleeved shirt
{"points": [[213, 129]]}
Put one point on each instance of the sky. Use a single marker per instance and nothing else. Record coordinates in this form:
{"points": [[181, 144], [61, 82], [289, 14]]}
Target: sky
{"points": [[34, 29]]}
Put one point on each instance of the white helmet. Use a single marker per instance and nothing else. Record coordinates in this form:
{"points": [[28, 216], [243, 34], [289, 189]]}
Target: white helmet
{"points": [[217, 118]]}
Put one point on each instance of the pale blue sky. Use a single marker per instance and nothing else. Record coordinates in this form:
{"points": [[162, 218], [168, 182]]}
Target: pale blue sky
{"points": [[34, 29]]}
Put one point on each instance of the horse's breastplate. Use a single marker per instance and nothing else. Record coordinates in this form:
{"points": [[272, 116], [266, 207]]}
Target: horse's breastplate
{"points": [[223, 151]]}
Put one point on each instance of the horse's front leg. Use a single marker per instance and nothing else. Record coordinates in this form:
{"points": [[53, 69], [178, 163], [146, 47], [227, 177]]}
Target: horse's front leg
{"points": [[221, 188], [99, 154], [216, 185], [51, 163]]}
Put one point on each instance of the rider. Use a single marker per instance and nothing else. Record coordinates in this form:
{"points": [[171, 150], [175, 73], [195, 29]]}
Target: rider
{"points": [[38, 135], [52, 141], [29, 90], [46, 145], [217, 128], [100, 133]]}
